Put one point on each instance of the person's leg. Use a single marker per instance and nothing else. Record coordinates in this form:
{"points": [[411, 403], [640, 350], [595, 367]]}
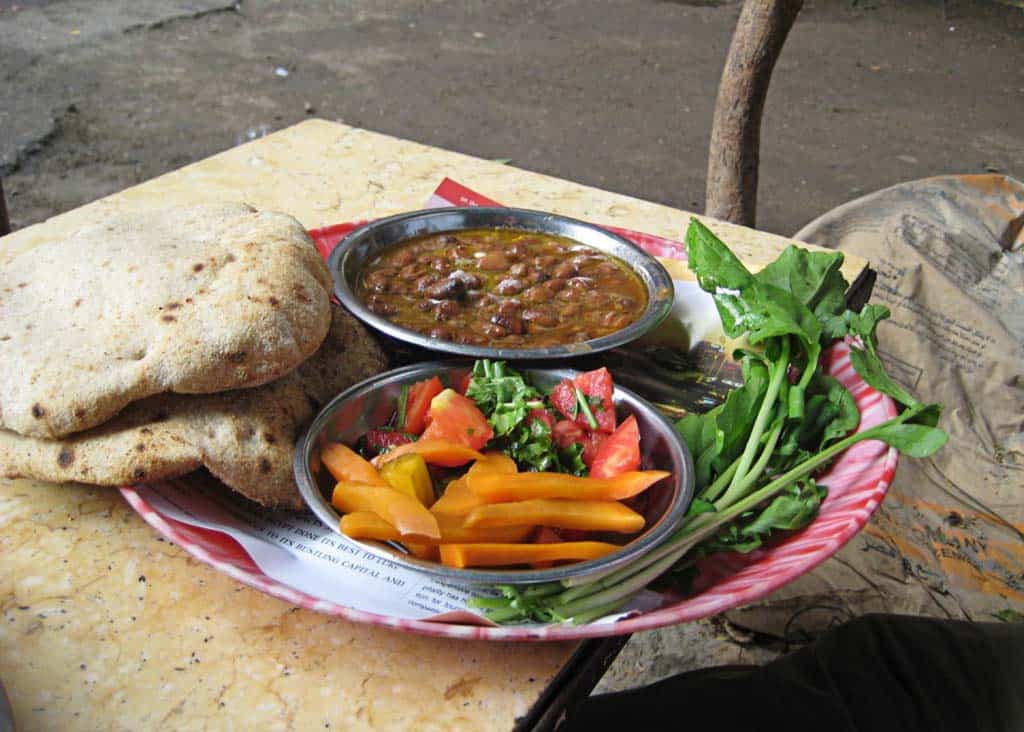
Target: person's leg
{"points": [[878, 672]]}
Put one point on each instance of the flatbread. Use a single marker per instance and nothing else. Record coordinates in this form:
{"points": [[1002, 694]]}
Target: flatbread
{"points": [[192, 300], [246, 438]]}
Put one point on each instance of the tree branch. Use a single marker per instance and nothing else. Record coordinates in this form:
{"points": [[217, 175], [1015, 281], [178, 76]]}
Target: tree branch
{"points": [[734, 155]]}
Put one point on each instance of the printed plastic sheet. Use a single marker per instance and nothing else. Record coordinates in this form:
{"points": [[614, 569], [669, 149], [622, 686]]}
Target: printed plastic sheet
{"points": [[949, 539]]}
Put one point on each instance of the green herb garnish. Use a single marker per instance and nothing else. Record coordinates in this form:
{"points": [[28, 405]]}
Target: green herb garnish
{"points": [[507, 399]]}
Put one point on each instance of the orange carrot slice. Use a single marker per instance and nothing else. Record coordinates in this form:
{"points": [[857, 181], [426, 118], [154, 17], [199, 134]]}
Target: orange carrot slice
{"points": [[427, 552], [410, 518], [527, 486], [561, 513], [343, 463], [367, 525], [435, 452], [458, 498], [494, 462], [501, 555]]}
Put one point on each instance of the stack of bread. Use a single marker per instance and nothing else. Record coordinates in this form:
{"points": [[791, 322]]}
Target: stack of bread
{"points": [[154, 344]]}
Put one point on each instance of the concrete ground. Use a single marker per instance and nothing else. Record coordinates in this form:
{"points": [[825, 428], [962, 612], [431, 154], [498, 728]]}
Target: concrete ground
{"points": [[100, 95]]}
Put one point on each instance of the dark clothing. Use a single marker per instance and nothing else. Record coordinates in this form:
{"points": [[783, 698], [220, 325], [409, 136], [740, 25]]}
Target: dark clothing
{"points": [[878, 672]]}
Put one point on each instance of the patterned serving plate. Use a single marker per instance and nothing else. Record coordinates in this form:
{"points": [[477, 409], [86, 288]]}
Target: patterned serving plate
{"points": [[857, 482]]}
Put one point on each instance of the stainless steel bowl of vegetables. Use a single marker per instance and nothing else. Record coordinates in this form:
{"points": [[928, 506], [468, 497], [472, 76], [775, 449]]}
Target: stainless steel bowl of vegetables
{"points": [[479, 473]]}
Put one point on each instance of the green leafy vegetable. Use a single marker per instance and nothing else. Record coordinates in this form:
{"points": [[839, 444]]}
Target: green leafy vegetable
{"points": [[866, 360], [507, 400], [502, 394], [755, 455]]}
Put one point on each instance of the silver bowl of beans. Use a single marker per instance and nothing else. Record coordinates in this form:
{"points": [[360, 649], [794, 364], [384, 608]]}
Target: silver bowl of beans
{"points": [[500, 283]]}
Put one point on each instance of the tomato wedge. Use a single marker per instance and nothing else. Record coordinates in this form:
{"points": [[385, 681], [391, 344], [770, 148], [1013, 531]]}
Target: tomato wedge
{"points": [[417, 404], [544, 416], [619, 452], [566, 432], [596, 386], [456, 418]]}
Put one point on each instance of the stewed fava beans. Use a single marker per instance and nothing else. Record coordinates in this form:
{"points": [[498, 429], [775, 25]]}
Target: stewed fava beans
{"points": [[502, 288]]}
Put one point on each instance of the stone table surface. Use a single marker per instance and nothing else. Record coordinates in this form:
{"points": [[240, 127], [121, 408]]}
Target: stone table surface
{"points": [[105, 625]]}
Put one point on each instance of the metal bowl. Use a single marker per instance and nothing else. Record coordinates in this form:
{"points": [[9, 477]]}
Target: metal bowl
{"points": [[370, 404], [352, 253]]}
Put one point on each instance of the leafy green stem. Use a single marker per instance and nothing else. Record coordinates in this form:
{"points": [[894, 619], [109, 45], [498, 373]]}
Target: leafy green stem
{"points": [[738, 489], [721, 482], [581, 400], [778, 375]]}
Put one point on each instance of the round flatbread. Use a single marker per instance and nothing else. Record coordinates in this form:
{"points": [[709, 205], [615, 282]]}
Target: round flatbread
{"points": [[192, 300], [246, 438]]}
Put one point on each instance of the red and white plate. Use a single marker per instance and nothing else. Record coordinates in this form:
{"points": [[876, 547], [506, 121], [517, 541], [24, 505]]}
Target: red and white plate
{"points": [[857, 482]]}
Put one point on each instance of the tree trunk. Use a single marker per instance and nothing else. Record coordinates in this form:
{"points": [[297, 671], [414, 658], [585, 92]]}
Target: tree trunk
{"points": [[5, 222], [734, 155]]}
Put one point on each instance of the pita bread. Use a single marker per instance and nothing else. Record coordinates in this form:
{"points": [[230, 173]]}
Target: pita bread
{"points": [[191, 300], [246, 438]]}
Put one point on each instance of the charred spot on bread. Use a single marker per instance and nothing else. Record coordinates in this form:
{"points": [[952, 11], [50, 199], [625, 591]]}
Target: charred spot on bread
{"points": [[66, 457]]}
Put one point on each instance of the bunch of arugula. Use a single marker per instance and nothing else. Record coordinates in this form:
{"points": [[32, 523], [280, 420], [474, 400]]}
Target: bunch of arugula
{"points": [[755, 455], [509, 403]]}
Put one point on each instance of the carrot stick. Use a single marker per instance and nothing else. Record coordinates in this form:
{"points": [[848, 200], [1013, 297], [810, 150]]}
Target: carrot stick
{"points": [[499, 555], [526, 486], [343, 463], [457, 499], [494, 462], [367, 525], [409, 517], [562, 513], [435, 452], [427, 552]]}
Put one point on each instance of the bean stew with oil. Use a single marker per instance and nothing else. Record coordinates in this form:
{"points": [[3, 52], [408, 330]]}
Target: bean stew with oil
{"points": [[502, 287]]}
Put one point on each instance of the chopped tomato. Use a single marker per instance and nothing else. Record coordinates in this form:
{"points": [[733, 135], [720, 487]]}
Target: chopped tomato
{"points": [[566, 433], [417, 403], [591, 447], [461, 384], [544, 416], [455, 418], [597, 388], [563, 397], [619, 452]]}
